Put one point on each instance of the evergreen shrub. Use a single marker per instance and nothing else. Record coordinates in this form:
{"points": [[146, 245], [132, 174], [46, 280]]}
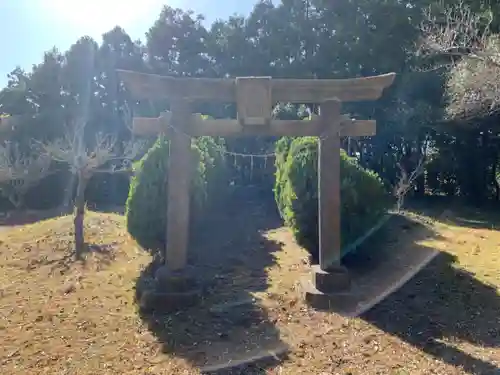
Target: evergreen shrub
{"points": [[146, 207], [364, 199]]}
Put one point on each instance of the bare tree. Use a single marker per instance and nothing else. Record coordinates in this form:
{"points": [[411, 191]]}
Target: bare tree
{"points": [[456, 31], [19, 173], [106, 156], [407, 181], [472, 52]]}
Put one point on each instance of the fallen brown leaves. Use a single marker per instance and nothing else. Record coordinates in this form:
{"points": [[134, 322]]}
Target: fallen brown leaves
{"points": [[61, 317]]}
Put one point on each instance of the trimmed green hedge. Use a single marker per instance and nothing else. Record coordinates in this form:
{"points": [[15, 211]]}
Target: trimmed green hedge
{"points": [[364, 198], [146, 208]]}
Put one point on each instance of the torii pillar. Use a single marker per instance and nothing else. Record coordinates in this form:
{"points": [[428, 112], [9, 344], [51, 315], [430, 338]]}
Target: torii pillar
{"points": [[254, 97]]}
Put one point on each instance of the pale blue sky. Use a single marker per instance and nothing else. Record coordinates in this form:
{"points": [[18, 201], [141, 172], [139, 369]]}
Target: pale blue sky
{"points": [[30, 27]]}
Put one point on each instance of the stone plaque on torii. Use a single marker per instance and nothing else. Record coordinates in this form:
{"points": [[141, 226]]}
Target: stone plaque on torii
{"points": [[255, 98]]}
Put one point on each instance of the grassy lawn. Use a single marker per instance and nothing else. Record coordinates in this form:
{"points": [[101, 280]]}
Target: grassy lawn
{"points": [[61, 317]]}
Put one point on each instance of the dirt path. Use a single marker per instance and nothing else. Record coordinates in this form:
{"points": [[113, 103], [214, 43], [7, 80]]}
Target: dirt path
{"points": [[232, 257]]}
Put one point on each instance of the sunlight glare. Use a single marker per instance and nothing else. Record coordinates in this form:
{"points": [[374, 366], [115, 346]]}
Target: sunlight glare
{"points": [[97, 16]]}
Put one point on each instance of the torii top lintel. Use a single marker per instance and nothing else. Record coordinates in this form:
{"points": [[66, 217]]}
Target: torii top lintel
{"points": [[152, 86]]}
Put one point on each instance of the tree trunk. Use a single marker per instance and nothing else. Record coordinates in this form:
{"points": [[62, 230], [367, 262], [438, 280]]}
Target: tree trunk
{"points": [[494, 177], [484, 154], [17, 201], [68, 194], [79, 216]]}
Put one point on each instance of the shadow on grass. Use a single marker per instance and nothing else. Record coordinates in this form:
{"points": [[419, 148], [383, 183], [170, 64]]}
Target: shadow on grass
{"points": [[441, 307], [23, 217], [378, 248], [109, 209], [105, 254], [231, 256], [455, 212], [470, 217]]}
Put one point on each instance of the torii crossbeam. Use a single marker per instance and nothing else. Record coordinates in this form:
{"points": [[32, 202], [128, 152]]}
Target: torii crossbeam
{"points": [[255, 97]]}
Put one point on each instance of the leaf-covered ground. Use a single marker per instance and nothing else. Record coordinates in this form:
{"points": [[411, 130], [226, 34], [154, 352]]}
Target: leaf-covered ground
{"points": [[60, 317]]}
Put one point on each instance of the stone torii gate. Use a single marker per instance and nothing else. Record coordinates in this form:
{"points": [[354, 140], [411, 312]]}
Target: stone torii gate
{"points": [[255, 97]]}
